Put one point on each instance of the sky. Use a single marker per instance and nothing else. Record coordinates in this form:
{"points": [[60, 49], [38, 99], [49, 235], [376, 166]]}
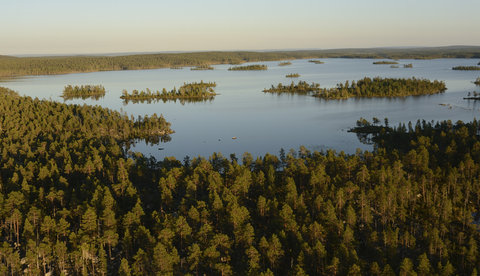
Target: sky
{"points": [[116, 26]]}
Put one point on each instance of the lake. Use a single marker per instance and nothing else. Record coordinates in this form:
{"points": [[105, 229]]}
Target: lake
{"points": [[265, 123]]}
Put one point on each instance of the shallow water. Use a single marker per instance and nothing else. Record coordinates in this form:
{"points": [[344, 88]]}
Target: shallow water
{"points": [[265, 122]]}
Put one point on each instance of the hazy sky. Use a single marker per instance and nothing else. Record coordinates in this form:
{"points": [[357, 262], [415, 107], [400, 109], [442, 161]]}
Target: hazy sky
{"points": [[104, 26]]}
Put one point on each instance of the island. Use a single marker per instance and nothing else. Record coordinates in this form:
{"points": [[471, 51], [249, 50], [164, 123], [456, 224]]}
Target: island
{"points": [[382, 87], [196, 91], [408, 65], [83, 92], [293, 75], [301, 87], [466, 68], [285, 63], [316, 61], [202, 67], [472, 96], [384, 62], [366, 87], [254, 67], [477, 81]]}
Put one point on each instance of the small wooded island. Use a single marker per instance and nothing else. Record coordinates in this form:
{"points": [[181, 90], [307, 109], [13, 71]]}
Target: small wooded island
{"points": [[293, 75], [366, 87], [253, 67], [316, 61], [466, 68], [384, 62], [302, 87], [83, 91], [477, 81], [188, 91], [202, 67], [285, 63]]}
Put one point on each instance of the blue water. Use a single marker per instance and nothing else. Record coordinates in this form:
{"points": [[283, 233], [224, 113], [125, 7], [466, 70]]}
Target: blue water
{"points": [[264, 122]]}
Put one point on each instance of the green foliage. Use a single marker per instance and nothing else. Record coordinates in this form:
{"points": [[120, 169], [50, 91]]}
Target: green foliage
{"points": [[83, 92], [253, 67], [316, 61], [302, 87], [196, 91], [382, 87], [384, 62], [74, 201], [466, 68], [202, 67], [285, 63], [293, 75]]}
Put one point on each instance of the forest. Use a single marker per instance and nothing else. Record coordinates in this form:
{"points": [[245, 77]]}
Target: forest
{"points": [[293, 75], [384, 62], [382, 87], [302, 87], [21, 66], [466, 68], [74, 200], [83, 92], [253, 67], [195, 90]]}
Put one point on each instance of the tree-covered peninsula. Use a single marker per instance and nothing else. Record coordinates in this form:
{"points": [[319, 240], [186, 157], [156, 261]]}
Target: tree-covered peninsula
{"points": [[253, 67], [83, 92], [73, 201], [382, 87], [188, 91]]}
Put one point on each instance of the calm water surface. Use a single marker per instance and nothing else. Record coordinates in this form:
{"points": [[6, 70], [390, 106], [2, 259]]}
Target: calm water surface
{"points": [[264, 122]]}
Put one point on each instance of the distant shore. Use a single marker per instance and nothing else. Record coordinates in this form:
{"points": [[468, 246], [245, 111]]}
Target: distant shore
{"points": [[52, 65]]}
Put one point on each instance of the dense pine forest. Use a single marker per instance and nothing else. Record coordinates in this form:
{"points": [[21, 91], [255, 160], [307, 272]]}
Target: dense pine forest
{"points": [[20, 66], [74, 200], [83, 92], [302, 87]]}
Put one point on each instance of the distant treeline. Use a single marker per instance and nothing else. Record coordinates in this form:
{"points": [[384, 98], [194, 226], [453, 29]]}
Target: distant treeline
{"points": [[18, 66], [195, 90], [301, 88], [252, 67], [382, 87], [83, 92], [384, 62], [466, 68]]}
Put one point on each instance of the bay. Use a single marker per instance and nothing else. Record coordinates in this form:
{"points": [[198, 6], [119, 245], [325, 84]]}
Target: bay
{"points": [[265, 123]]}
